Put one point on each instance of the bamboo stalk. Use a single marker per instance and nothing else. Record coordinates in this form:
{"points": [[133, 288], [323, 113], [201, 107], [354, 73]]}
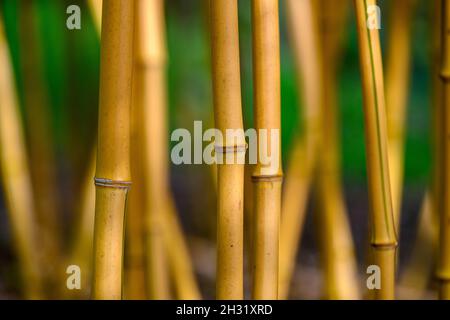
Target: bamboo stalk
{"points": [[443, 269], [16, 179], [113, 167], [397, 85], [267, 178], [382, 226], [150, 97], [228, 115]]}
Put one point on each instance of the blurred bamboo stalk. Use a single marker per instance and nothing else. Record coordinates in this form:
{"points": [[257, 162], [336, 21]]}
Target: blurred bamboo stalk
{"points": [[113, 156], [302, 159], [16, 179], [39, 143], [335, 239], [267, 177], [150, 99], [382, 227], [228, 115], [397, 88], [443, 267]]}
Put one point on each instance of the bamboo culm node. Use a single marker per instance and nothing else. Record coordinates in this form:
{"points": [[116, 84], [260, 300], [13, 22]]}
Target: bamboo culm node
{"points": [[113, 151], [382, 226], [267, 180]]}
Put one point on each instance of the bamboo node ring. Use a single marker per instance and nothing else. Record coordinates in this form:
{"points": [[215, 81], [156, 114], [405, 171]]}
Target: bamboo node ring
{"points": [[108, 183]]}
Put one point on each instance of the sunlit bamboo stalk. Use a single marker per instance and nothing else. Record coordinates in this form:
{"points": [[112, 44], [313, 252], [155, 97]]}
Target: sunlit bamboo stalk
{"points": [[397, 87], [113, 165], [267, 177], [150, 98], [228, 115], [16, 180], [382, 227]]}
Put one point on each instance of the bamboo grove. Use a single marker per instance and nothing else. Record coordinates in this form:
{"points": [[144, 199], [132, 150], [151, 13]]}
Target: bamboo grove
{"points": [[332, 184]]}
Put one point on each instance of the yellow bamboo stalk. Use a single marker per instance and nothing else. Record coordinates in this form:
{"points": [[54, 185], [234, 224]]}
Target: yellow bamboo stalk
{"points": [[113, 155], [301, 164], [335, 240], [382, 226], [397, 87], [267, 178], [150, 97], [16, 179], [443, 268], [228, 115]]}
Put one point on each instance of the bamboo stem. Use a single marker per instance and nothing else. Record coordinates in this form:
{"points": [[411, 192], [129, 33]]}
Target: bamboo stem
{"points": [[382, 226], [228, 115], [397, 85], [113, 167], [150, 91], [267, 178], [16, 178], [443, 269]]}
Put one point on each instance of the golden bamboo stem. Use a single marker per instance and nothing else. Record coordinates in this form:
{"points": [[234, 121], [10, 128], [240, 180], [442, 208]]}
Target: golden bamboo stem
{"points": [[397, 85], [150, 98], [113, 155], [382, 227], [443, 268], [267, 178], [228, 115], [16, 178]]}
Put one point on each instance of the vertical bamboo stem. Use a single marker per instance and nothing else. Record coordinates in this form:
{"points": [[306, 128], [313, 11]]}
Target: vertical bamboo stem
{"points": [[397, 85], [382, 227], [267, 178], [113, 167], [443, 269], [150, 97], [228, 115], [16, 178]]}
